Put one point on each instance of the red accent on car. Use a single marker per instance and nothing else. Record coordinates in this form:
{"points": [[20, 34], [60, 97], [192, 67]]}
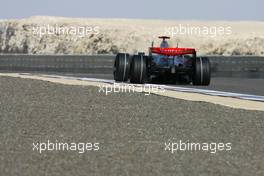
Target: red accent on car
{"points": [[172, 51]]}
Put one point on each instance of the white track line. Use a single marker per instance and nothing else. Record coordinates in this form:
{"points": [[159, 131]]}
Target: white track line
{"points": [[217, 93], [234, 100], [173, 88]]}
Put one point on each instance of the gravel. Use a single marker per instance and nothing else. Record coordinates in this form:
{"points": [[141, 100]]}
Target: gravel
{"points": [[131, 130]]}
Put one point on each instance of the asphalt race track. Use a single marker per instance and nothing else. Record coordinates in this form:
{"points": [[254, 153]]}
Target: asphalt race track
{"points": [[238, 74], [132, 130], [236, 85]]}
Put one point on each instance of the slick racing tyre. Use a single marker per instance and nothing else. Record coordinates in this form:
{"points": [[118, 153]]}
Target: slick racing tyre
{"points": [[121, 67], [202, 71], [138, 72]]}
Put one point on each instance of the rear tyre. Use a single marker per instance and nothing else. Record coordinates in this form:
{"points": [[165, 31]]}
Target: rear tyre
{"points": [[202, 71], [138, 72], [121, 67]]}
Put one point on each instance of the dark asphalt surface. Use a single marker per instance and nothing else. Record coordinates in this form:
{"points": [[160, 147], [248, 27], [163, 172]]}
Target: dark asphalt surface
{"points": [[131, 128], [236, 85], [100, 66]]}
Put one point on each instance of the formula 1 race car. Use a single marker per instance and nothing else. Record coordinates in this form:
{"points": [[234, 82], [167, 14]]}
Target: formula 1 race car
{"points": [[163, 63]]}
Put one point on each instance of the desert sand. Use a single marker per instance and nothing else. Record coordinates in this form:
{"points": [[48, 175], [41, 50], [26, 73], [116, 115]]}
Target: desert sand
{"points": [[109, 36]]}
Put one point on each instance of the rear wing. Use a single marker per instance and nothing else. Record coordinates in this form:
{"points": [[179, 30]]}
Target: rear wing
{"points": [[172, 51]]}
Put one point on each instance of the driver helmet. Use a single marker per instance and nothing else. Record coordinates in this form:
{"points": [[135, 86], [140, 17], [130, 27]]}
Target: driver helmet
{"points": [[164, 44]]}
